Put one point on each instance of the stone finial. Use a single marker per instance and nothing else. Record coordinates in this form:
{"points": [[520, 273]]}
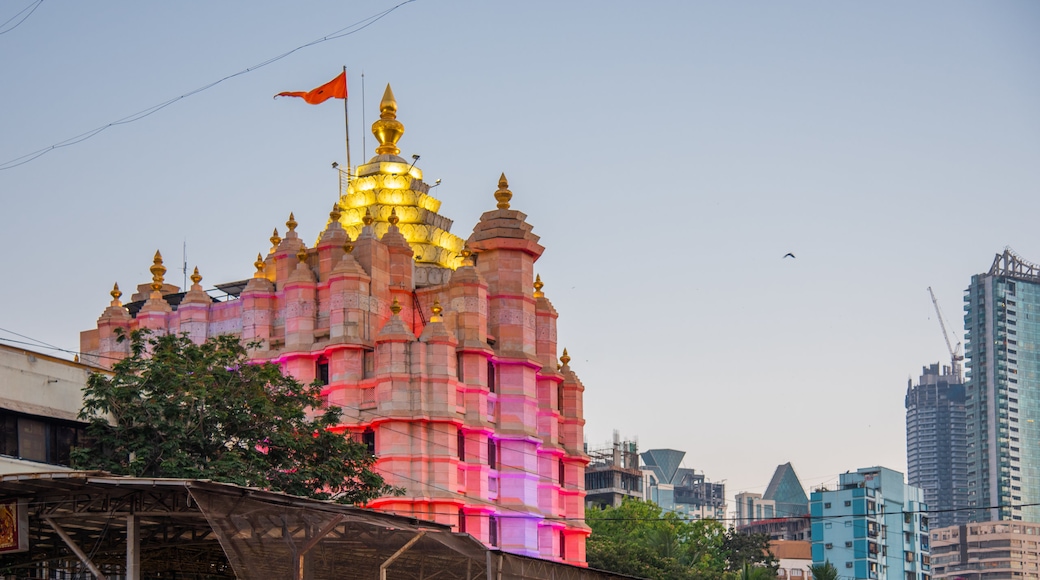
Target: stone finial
{"points": [[395, 307], [565, 358], [75, 358], [467, 256], [335, 214], [275, 240], [260, 267], [368, 219], [436, 309], [301, 254], [503, 195], [393, 219], [196, 277], [116, 293], [157, 270], [291, 224], [538, 285], [388, 130]]}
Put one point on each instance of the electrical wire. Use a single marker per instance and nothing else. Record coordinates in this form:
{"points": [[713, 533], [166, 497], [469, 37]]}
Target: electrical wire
{"points": [[33, 8], [346, 31]]}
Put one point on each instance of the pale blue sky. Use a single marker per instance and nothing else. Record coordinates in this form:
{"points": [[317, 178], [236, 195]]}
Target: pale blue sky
{"points": [[668, 153]]}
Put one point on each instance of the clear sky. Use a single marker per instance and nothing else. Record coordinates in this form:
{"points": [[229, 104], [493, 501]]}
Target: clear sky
{"points": [[668, 153]]}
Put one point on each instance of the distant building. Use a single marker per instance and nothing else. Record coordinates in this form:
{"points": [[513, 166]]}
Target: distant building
{"points": [[985, 551], [787, 493], [680, 490], [793, 559], [781, 512], [872, 526], [613, 474], [936, 444], [40, 398], [752, 507], [1002, 391]]}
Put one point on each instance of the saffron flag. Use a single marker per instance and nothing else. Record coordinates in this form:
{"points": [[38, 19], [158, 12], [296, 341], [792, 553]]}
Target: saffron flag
{"points": [[334, 89]]}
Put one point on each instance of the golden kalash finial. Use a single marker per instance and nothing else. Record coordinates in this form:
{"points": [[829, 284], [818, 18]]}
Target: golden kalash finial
{"points": [[393, 219], [348, 246], [301, 255], [436, 309], [157, 271], [195, 276], [260, 266], [538, 286], [368, 219], [395, 307], [275, 240], [388, 129], [291, 224], [503, 195], [335, 214], [565, 358], [115, 294]]}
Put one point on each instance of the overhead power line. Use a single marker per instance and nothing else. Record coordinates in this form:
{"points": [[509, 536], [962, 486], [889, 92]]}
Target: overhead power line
{"points": [[31, 8], [346, 31]]}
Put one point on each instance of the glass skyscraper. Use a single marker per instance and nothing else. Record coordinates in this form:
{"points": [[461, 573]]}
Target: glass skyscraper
{"points": [[936, 443], [1002, 392]]}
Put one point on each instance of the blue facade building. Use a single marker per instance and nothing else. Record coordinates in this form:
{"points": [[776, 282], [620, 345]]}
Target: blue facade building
{"points": [[872, 527]]}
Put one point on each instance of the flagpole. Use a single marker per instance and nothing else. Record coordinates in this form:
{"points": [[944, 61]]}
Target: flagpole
{"points": [[346, 126]]}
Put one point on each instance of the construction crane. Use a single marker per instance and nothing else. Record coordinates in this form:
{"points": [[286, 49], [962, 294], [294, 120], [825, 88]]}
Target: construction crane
{"points": [[955, 352]]}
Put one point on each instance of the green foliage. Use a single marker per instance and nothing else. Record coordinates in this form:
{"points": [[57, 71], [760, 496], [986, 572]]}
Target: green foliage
{"points": [[825, 571], [638, 539], [743, 550], [177, 409]]}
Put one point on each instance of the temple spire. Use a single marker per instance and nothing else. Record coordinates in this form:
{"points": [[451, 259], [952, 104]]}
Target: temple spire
{"points": [[388, 130], [503, 195]]}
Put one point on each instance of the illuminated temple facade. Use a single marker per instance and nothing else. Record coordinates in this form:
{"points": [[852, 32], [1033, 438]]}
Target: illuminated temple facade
{"points": [[441, 351]]}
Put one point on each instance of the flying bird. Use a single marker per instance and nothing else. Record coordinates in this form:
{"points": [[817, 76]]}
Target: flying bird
{"points": [[788, 255]]}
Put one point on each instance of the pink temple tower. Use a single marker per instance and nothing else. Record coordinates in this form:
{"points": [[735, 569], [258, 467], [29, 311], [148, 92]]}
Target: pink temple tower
{"points": [[441, 351]]}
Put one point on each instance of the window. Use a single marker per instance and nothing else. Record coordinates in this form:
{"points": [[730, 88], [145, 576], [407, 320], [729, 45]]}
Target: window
{"points": [[848, 564], [559, 398], [369, 364], [492, 377], [563, 545], [321, 371], [827, 505], [493, 531], [563, 472], [462, 521], [462, 445], [368, 439], [828, 545], [848, 502], [909, 556], [459, 367], [38, 438], [848, 544], [492, 452]]}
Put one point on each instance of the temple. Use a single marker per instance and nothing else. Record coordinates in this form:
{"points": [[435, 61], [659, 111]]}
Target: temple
{"points": [[441, 351]]}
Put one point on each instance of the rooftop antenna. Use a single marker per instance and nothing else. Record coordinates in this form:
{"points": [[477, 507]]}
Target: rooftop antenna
{"points": [[184, 263], [364, 123]]}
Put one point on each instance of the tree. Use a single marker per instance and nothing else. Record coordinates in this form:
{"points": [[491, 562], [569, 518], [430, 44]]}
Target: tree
{"points": [[177, 409], [748, 549], [638, 539], [825, 571]]}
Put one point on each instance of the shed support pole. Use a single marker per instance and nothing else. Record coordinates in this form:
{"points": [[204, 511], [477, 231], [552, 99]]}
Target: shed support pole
{"points": [[133, 548]]}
